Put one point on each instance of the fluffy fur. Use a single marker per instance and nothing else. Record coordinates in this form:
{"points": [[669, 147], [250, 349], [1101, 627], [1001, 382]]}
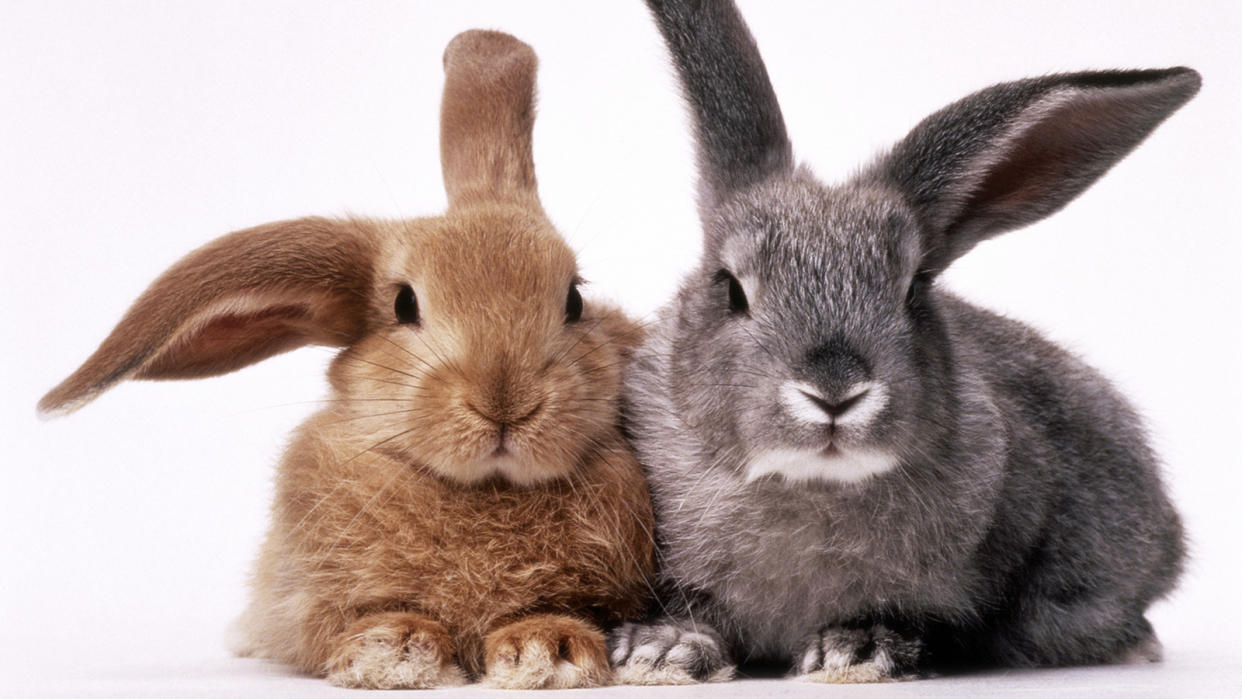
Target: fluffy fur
{"points": [[970, 493], [465, 505]]}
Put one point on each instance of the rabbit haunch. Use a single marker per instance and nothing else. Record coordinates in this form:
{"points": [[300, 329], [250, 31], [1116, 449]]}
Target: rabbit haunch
{"points": [[464, 505], [853, 471]]}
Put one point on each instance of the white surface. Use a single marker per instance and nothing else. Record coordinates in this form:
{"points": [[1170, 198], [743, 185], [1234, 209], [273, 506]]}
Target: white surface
{"points": [[133, 132], [1183, 675]]}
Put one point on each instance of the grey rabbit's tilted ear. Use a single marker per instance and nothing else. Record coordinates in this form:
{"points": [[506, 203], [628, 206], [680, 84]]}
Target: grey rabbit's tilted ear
{"points": [[239, 299], [739, 131], [1014, 153]]}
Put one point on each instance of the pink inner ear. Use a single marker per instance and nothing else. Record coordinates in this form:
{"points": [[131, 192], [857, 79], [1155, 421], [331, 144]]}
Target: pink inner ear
{"points": [[231, 341], [1034, 167], [1058, 156]]}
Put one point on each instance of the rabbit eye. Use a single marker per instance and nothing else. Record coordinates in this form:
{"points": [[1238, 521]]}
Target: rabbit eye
{"points": [[573, 305], [917, 289], [406, 306], [737, 295]]}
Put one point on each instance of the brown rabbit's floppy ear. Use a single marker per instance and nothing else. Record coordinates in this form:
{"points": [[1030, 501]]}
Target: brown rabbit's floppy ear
{"points": [[486, 119], [239, 299], [1014, 153]]}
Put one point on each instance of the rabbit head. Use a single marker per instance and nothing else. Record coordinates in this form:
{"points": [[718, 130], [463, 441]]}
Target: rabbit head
{"points": [[467, 346], [806, 342]]}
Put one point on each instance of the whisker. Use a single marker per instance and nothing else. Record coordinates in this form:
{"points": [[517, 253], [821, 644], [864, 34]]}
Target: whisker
{"points": [[582, 336], [380, 366], [342, 482], [375, 415]]}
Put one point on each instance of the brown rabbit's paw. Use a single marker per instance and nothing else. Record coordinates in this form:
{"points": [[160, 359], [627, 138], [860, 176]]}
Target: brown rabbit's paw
{"points": [[394, 650], [839, 655], [546, 651], [666, 653]]}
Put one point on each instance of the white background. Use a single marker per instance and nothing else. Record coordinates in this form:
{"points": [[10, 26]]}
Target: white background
{"points": [[132, 132]]}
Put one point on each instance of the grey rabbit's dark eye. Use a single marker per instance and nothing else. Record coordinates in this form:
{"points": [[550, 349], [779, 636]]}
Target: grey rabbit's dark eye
{"points": [[406, 306], [917, 290], [573, 305], [737, 295]]}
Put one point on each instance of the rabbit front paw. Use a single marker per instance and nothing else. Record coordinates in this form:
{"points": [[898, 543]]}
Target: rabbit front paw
{"points": [[652, 654], [394, 650], [854, 655], [546, 651]]}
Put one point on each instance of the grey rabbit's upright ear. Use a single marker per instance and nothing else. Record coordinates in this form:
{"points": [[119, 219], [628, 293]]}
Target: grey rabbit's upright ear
{"points": [[1014, 153], [740, 134], [239, 299]]}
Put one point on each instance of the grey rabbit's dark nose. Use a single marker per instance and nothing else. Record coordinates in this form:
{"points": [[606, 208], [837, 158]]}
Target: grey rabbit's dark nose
{"points": [[835, 368], [839, 407]]}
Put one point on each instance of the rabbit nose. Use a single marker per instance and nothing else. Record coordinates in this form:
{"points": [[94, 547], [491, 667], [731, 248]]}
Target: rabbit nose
{"points": [[811, 405], [836, 368], [839, 406], [506, 413]]}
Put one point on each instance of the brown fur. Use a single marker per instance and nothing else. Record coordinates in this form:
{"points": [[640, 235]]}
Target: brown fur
{"points": [[466, 500], [548, 651], [486, 120]]}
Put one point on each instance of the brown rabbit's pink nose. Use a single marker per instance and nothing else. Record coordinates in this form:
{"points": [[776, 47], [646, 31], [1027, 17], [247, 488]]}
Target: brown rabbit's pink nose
{"points": [[507, 415]]}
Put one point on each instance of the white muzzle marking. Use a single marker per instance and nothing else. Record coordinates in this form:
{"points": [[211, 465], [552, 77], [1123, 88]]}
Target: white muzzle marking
{"points": [[797, 402], [800, 465]]}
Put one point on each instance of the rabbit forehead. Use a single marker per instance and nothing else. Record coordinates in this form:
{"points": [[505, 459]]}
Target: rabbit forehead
{"points": [[484, 261], [797, 236]]}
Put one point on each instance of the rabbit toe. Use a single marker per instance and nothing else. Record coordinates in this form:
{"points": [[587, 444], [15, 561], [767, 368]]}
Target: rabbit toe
{"points": [[546, 651], [658, 654], [394, 652], [848, 655]]}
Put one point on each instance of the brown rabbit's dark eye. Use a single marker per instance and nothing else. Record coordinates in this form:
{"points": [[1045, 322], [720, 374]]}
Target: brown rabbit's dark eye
{"points": [[737, 295], [573, 305], [406, 306]]}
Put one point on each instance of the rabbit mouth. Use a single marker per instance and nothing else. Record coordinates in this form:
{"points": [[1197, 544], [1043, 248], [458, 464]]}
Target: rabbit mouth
{"points": [[831, 463], [502, 446]]}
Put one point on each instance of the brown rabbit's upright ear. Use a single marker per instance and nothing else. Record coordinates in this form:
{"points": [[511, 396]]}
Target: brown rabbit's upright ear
{"points": [[239, 299], [486, 119]]}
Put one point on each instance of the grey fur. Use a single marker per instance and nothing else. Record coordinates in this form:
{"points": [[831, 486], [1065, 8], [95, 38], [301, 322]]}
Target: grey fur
{"points": [[745, 140], [1023, 521]]}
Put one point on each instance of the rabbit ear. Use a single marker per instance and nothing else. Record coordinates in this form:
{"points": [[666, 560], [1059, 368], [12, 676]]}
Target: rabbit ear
{"points": [[1014, 153], [486, 119], [242, 298], [739, 131]]}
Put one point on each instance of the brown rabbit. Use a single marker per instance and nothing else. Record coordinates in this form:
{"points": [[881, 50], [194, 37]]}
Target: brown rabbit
{"points": [[465, 506]]}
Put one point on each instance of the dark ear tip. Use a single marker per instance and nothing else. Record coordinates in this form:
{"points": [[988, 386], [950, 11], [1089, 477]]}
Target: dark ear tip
{"points": [[1177, 86], [1180, 81], [478, 48], [1188, 79]]}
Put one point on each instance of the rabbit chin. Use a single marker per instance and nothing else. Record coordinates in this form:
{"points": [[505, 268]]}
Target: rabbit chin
{"points": [[512, 468], [800, 465]]}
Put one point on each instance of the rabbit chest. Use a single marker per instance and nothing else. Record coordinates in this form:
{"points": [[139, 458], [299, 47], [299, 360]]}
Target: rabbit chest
{"points": [[779, 563], [385, 534]]}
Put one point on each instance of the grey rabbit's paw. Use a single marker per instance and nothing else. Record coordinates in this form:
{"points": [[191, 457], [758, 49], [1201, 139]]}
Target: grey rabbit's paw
{"points": [[854, 655], [666, 653]]}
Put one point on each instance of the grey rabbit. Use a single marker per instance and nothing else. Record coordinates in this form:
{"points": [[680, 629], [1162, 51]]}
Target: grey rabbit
{"points": [[855, 473]]}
